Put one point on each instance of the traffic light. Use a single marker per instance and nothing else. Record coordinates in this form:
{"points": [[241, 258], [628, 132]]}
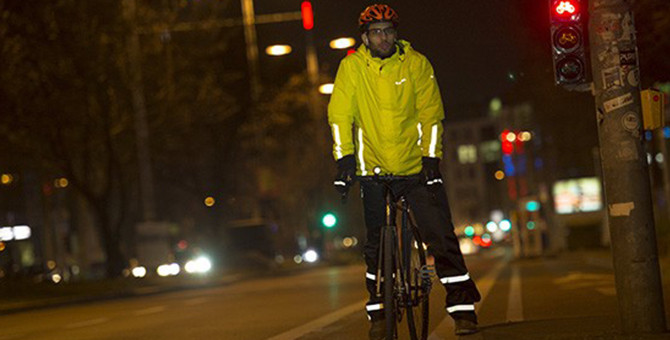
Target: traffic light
{"points": [[307, 15], [568, 41], [329, 220]]}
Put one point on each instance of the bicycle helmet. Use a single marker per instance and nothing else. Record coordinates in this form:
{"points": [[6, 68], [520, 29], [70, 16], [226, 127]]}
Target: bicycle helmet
{"points": [[376, 13]]}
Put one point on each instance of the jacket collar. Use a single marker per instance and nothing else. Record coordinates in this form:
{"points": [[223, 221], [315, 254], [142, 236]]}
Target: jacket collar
{"points": [[402, 47]]}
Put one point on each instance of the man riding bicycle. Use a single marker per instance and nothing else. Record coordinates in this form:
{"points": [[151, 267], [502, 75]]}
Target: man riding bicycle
{"points": [[386, 112]]}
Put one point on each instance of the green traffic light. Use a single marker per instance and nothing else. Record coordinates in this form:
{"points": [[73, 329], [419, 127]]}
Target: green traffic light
{"points": [[532, 205], [329, 220], [469, 231]]}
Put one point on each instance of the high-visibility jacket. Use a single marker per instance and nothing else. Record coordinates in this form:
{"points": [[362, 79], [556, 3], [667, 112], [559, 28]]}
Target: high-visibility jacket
{"points": [[387, 112]]}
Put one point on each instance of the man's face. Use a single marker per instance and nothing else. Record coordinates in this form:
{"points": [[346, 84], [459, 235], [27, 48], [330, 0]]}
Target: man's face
{"points": [[380, 39]]}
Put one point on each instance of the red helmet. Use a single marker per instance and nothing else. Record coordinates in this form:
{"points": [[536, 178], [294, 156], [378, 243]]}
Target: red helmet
{"points": [[376, 13]]}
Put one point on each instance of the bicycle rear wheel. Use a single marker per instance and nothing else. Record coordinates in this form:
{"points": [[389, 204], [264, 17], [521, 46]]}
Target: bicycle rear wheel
{"points": [[388, 282], [418, 277]]}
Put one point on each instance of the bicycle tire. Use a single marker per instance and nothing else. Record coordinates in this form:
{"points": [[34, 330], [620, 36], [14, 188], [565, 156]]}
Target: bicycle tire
{"points": [[419, 284], [388, 283]]}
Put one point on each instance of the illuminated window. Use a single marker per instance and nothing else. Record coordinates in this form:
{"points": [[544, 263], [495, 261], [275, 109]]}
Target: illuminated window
{"points": [[490, 151], [467, 154]]}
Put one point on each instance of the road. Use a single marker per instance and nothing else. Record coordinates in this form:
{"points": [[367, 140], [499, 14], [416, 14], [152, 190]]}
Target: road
{"points": [[522, 299]]}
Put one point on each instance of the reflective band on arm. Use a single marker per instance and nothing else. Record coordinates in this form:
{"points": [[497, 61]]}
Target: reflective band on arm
{"points": [[371, 276], [461, 308], [418, 126], [454, 279], [377, 306], [360, 152], [433, 141], [340, 183], [338, 141]]}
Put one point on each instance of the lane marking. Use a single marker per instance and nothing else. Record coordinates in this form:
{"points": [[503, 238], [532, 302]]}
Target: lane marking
{"points": [[514, 302], [86, 323], [147, 311], [485, 284], [320, 322]]}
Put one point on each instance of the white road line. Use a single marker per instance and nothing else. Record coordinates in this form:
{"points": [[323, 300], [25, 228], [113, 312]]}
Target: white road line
{"points": [[86, 323], [320, 322], [514, 303], [151, 310], [484, 285]]}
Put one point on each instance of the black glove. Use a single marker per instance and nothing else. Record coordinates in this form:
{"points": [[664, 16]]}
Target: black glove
{"points": [[346, 173], [430, 173]]}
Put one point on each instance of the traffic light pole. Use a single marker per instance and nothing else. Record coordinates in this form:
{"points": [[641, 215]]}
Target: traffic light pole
{"points": [[624, 166]]}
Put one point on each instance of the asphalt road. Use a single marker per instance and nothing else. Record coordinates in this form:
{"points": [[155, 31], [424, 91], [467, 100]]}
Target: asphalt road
{"points": [[522, 299]]}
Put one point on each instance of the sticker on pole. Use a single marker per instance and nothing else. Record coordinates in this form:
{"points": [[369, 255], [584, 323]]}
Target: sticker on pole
{"points": [[618, 102]]}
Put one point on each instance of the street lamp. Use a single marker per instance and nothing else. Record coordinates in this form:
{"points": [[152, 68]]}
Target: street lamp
{"points": [[326, 88], [342, 43], [278, 50]]}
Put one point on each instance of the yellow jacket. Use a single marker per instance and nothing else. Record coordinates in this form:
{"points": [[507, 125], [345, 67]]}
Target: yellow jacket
{"points": [[393, 108]]}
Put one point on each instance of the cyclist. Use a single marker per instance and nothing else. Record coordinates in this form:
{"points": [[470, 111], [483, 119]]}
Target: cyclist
{"points": [[386, 112]]}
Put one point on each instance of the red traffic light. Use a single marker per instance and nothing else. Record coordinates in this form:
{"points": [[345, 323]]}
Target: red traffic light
{"points": [[307, 15], [566, 9]]}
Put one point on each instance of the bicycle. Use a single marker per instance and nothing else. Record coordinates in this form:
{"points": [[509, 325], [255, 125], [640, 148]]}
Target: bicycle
{"points": [[402, 268]]}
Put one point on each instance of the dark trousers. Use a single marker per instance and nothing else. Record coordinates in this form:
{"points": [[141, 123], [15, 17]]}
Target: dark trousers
{"points": [[433, 218]]}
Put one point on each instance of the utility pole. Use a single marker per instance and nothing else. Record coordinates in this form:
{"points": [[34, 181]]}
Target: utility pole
{"points": [[624, 165]]}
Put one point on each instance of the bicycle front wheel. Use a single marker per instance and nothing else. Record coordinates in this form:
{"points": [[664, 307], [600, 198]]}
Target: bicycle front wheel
{"points": [[418, 277]]}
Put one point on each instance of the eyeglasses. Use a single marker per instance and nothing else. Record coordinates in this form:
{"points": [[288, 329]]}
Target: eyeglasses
{"points": [[379, 31]]}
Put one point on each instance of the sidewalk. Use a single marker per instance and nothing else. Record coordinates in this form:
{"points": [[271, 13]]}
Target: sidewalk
{"points": [[602, 326]]}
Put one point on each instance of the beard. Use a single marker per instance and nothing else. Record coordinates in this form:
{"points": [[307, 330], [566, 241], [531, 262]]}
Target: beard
{"points": [[383, 50]]}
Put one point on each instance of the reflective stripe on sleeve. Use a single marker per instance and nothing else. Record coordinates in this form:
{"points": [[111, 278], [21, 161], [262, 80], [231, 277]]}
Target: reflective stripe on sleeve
{"points": [[377, 306], [454, 279], [360, 152], [433, 141], [370, 276], [461, 308], [418, 126], [338, 141]]}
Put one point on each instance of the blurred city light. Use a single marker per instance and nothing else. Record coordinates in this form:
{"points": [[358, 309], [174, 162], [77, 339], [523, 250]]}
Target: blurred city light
{"points": [[21, 232], [467, 246], [209, 201], [500, 175], [486, 240], [56, 278], [525, 136], [510, 136], [139, 272], [342, 43], [329, 220], [200, 265], [491, 226], [469, 231], [61, 182], [530, 225], [278, 50], [326, 88], [6, 179], [168, 269], [297, 259], [311, 256], [307, 15], [532, 205], [505, 225]]}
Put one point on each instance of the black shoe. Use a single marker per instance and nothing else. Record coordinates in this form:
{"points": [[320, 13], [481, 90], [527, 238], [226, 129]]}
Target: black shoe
{"points": [[465, 327], [377, 330]]}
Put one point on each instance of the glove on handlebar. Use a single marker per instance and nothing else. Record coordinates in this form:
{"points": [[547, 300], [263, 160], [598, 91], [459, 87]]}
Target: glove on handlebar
{"points": [[346, 173], [430, 173]]}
